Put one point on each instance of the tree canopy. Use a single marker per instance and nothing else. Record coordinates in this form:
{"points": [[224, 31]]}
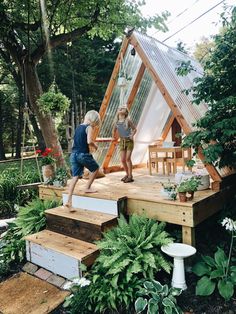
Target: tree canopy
{"points": [[30, 29], [216, 131]]}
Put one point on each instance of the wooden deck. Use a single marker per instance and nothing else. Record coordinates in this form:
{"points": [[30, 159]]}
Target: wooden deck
{"points": [[143, 197]]}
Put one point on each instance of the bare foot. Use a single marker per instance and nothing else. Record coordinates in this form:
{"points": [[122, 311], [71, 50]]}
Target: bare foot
{"points": [[69, 207], [90, 190]]}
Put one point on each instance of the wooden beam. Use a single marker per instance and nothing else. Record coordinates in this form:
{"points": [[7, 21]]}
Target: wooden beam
{"points": [[135, 87], [167, 127], [169, 100], [112, 81], [130, 101]]}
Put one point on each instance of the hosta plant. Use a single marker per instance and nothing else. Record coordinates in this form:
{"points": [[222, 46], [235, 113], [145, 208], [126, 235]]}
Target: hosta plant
{"points": [[156, 298], [218, 271]]}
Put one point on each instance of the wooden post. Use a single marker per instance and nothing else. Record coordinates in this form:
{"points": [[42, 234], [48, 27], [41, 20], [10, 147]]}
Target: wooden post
{"points": [[188, 235]]}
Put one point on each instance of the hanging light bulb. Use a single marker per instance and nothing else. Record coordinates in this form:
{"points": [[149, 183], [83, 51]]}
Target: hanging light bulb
{"points": [[133, 52]]}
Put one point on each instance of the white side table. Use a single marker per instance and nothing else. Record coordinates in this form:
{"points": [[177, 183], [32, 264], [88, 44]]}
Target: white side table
{"points": [[178, 251]]}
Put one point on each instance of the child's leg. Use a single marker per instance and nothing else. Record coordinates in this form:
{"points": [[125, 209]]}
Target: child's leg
{"points": [[90, 181], [129, 163], [70, 192], [123, 159]]}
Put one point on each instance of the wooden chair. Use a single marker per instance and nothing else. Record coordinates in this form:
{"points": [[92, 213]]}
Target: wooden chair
{"points": [[154, 158], [174, 161]]}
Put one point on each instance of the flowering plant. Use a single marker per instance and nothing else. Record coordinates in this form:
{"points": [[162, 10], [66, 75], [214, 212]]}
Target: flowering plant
{"points": [[169, 186], [48, 158], [218, 271]]}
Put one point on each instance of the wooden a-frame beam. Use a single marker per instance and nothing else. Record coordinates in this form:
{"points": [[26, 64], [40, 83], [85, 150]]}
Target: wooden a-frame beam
{"points": [[167, 127], [176, 112], [130, 101], [112, 82]]}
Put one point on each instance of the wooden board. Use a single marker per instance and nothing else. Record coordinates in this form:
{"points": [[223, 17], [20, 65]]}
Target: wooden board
{"points": [[65, 245], [82, 224], [50, 192]]}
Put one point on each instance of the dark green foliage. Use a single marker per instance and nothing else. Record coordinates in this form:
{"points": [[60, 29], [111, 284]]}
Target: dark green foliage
{"points": [[30, 219], [216, 131], [10, 178], [129, 254], [215, 272]]}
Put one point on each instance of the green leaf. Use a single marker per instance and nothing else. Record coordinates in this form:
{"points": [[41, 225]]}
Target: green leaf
{"points": [[226, 289], [217, 273], [233, 277], [201, 268], [167, 302], [209, 260], [220, 257], [140, 305], [205, 286], [153, 307]]}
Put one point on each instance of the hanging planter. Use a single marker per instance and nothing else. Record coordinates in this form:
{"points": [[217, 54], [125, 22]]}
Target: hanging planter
{"points": [[122, 81]]}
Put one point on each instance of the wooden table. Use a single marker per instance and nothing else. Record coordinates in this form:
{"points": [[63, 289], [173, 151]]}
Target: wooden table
{"points": [[169, 156]]}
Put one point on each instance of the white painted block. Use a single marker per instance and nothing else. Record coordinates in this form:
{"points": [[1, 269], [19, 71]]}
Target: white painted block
{"points": [[95, 204], [58, 263]]}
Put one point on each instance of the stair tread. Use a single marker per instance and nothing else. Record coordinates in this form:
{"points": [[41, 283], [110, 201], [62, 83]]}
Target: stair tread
{"points": [[88, 216], [66, 245]]}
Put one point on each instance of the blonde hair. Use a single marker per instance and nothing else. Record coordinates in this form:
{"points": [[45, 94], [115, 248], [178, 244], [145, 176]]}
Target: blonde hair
{"points": [[126, 116], [93, 117]]}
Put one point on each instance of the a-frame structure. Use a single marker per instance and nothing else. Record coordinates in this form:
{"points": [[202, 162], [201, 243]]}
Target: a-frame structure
{"points": [[155, 97]]}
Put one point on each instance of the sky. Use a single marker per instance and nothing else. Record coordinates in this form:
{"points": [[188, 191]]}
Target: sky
{"points": [[207, 25]]}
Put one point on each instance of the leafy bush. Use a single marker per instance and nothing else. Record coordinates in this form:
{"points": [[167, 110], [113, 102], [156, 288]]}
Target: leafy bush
{"points": [[10, 195], [129, 254], [30, 219], [161, 299], [217, 271]]}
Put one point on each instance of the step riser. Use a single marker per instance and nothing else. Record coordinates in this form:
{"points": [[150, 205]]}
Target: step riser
{"points": [[77, 229], [56, 262], [96, 204]]}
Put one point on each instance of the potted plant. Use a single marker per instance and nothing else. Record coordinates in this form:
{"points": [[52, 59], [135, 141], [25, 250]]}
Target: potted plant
{"points": [[188, 186], [47, 162], [169, 190], [60, 178]]}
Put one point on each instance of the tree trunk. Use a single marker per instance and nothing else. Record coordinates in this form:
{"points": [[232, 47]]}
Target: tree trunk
{"points": [[2, 150], [19, 128], [47, 125]]}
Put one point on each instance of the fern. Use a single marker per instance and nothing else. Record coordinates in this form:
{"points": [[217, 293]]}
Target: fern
{"points": [[129, 254]]}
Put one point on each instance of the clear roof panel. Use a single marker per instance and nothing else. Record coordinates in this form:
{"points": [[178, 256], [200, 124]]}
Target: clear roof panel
{"points": [[165, 61]]}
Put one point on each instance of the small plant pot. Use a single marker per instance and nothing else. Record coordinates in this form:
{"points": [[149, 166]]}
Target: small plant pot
{"points": [[182, 197], [191, 193], [48, 172]]}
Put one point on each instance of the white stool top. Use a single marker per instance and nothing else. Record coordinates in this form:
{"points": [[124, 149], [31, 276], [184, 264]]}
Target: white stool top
{"points": [[178, 250]]}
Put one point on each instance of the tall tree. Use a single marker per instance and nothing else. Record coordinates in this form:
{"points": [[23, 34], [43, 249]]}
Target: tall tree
{"points": [[30, 28], [216, 131]]}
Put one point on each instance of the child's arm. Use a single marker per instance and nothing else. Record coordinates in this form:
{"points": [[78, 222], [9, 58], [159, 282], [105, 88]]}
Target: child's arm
{"points": [[133, 128], [90, 140]]}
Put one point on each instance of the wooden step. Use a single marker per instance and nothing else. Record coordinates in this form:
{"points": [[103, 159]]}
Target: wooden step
{"points": [[108, 204], [83, 224], [60, 254]]}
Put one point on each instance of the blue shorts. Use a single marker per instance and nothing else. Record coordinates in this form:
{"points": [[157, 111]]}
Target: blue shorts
{"points": [[79, 161]]}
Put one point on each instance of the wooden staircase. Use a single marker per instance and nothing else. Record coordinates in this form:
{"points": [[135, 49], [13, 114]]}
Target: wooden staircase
{"points": [[68, 239]]}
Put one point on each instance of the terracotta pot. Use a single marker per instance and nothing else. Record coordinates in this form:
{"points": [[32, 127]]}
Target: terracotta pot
{"points": [[47, 172], [191, 193], [182, 197]]}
